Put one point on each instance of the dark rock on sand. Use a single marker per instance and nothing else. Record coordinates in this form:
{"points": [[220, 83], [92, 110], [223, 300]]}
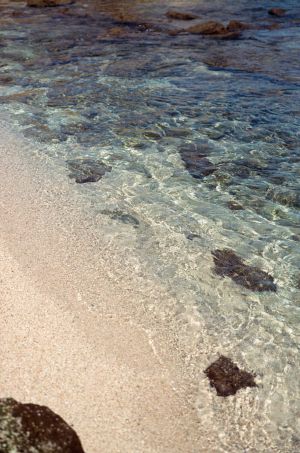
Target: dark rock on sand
{"points": [[213, 29], [234, 206], [28, 428], [178, 15], [45, 3], [87, 170], [196, 163], [228, 264], [226, 377], [278, 12]]}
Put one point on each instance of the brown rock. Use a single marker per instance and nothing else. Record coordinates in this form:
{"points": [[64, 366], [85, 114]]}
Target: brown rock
{"points": [[178, 15], [207, 28], [278, 12], [45, 3], [235, 25], [213, 29], [226, 377], [114, 32], [29, 427], [228, 264]]}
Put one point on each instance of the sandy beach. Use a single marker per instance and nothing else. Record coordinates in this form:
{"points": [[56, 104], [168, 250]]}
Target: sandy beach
{"points": [[73, 325]]}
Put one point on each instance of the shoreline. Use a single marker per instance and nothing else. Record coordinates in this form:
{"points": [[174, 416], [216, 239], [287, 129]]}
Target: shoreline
{"points": [[99, 367]]}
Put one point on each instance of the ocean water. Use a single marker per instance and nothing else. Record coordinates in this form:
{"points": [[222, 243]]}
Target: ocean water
{"points": [[107, 81]]}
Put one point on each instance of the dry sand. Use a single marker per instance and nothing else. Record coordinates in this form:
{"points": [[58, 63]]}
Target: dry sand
{"points": [[77, 331]]}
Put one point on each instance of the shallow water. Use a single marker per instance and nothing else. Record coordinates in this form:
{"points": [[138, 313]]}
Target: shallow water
{"points": [[110, 83]]}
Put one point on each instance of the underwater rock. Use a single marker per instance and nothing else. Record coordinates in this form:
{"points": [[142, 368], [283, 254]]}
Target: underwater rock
{"points": [[234, 206], [153, 135], [177, 132], [229, 171], [196, 163], [286, 197], [6, 79], [228, 264], [235, 25], [122, 217], [114, 32], [226, 377], [192, 236], [295, 237], [278, 12], [213, 29], [45, 3], [32, 428], [178, 15], [87, 170]]}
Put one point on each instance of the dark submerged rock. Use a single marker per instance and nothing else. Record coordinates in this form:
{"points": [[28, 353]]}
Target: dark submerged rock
{"points": [[87, 170], [278, 12], [178, 15], [234, 206], [192, 236], [123, 217], [235, 25], [29, 427], [226, 377], [46, 3], [285, 197], [196, 163], [228, 264], [213, 29]]}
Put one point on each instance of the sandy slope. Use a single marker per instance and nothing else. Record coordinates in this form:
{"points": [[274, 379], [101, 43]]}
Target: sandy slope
{"points": [[75, 330]]}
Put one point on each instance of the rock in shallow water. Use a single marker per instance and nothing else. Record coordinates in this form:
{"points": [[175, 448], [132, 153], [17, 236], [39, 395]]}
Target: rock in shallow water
{"points": [[87, 170], [196, 162], [178, 15], [45, 3], [234, 206], [278, 12], [213, 29], [226, 377], [26, 428], [122, 217], [228, 264]]}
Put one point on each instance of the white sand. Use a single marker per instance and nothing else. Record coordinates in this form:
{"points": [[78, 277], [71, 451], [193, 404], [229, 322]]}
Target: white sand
{"points": [[77, 332]]}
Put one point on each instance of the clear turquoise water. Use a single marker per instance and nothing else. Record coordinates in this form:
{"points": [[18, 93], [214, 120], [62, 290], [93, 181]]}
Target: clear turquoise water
{"points": [[134, 101]]}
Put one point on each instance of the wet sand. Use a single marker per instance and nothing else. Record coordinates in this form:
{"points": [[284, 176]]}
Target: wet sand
{"points": [[77, 330]]}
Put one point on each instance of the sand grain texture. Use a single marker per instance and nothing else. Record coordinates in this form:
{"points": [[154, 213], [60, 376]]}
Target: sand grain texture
{"points": [[72, 333]]}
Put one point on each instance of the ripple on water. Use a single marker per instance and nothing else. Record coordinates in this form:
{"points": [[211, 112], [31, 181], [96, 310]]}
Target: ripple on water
{"points": [[200, 143]]}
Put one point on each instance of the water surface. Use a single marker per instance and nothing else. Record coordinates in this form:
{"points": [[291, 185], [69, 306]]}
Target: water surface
{"points": [[106, 80]]}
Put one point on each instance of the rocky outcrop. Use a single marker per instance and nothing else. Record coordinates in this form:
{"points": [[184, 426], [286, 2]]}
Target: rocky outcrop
{"points": [[178, 15], [228, 264], [28, 428], [226, 377], [48, 3], [87, 170]]}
